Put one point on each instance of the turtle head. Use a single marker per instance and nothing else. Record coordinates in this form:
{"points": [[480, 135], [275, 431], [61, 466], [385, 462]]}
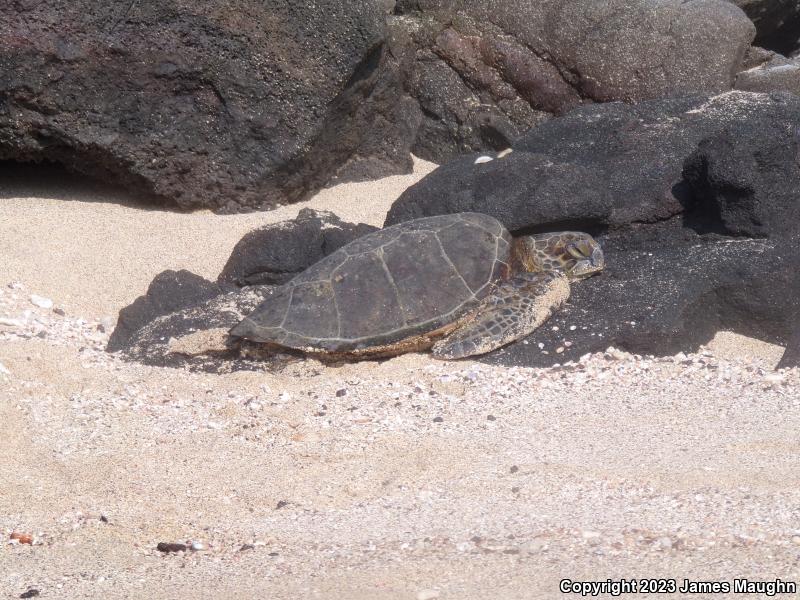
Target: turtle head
{"points": [[576, 254]]}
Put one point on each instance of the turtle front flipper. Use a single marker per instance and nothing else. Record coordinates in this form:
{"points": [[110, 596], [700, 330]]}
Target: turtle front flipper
{"points": [[514, 309]]}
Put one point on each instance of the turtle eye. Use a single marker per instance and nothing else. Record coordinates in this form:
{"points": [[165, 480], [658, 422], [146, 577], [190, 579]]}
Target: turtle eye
{"points": [[579, 250]]}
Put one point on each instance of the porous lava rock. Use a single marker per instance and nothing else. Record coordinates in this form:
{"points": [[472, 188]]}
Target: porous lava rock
{"points": [[254, 103], [274, 254], [483, 72], [693, 200], [606, 166], [777, 23], [770, 72], [667, 289], [230, 106], [169, 292]]}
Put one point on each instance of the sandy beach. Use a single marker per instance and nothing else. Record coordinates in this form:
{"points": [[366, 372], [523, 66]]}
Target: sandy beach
{"points": [[407, 479]]}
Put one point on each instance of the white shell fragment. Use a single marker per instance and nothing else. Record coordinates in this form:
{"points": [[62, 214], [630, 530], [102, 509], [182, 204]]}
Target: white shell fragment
{"points": [[483, 159], [41, 302]]}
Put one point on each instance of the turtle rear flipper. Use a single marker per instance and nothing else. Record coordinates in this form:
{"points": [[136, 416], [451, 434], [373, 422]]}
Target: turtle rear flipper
{"points": [[514, 309]]}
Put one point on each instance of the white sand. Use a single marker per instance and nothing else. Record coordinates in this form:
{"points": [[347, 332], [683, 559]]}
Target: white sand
{"points": [[97, 255], [422, 479]]}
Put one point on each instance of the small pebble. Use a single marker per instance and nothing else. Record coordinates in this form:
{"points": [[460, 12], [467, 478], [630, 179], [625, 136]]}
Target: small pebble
{"points": [[198, 546], [427, 595], [29, 593], [59, 311], [774, 378], [483, 159], [438, 419], [592, 537], [341, 393], [796, 540], [664, 543], [22, 538], [41, 301], [168, 547]]}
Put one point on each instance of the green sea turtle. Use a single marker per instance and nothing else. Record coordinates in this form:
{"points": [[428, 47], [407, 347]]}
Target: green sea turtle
{"points": [[458, 283]]}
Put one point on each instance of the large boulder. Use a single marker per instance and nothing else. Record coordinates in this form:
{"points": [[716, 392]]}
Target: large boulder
{"points": [[484, 72], [274, 254], [229, 106], [667, 289], [170, 292], [615, 165], [777, 23], [694, 201]]}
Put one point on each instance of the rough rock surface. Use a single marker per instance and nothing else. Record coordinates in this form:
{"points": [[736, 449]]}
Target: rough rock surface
{"points": [[484, 72], [169, 292], [180, 303], [228, 107], [699, 221], [771, 73], [744, 180], [777, 23], [665, 290], [275, 253], [153, 344], [610, 165], [265, 102]]}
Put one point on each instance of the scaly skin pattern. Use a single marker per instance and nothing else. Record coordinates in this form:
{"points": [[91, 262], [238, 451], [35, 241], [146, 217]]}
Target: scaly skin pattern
{"points": [[513, 310], [456, 282]]}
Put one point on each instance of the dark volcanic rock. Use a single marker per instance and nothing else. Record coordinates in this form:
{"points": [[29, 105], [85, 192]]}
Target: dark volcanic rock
{"points": [[235, 105], [275, 253], [607, 166], [665, 290], [678, 191], [777, 23], [153, 344], [746, 179], [485, 71], [178, 304], [169, 292], [773, 73]]}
